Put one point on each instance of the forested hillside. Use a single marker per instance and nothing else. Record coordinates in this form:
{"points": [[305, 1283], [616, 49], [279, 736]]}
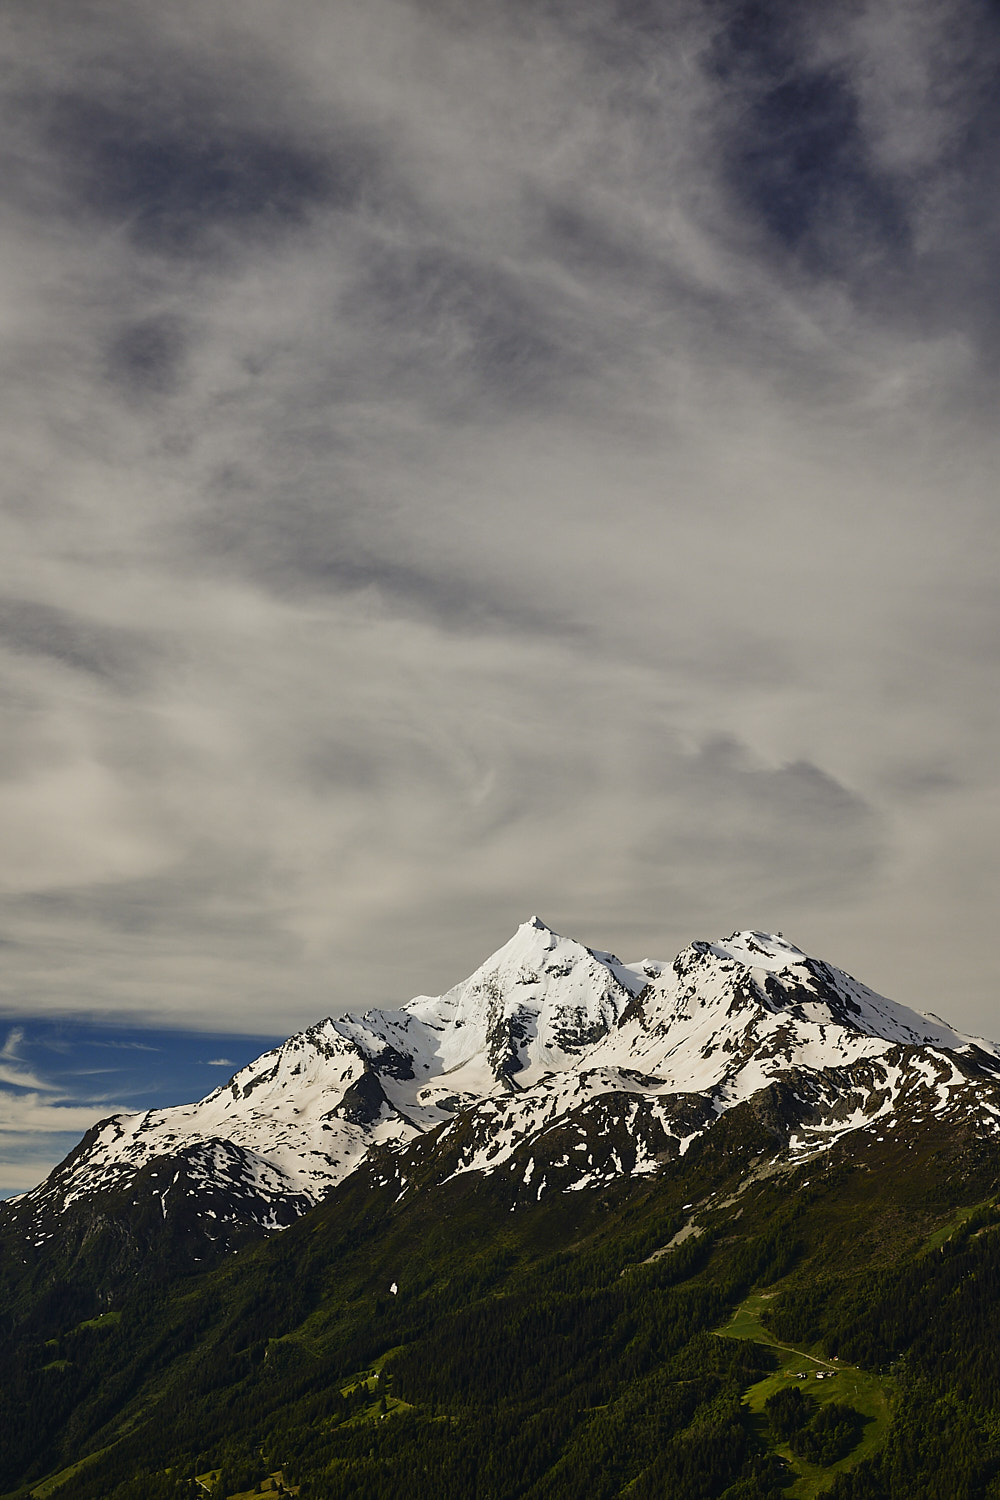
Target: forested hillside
{"points": [[456, 1343]]}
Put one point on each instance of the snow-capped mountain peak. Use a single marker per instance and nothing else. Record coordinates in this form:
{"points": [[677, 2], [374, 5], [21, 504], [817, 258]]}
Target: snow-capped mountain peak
{"points": [[788, 980], [546, 1036], [531, 1007]]}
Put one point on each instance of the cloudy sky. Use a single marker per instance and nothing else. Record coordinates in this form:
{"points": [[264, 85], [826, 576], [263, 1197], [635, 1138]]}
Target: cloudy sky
{"points": [[469, 460]]}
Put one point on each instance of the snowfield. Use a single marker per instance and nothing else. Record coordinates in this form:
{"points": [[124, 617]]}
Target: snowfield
{"points": [[538, 1058]]}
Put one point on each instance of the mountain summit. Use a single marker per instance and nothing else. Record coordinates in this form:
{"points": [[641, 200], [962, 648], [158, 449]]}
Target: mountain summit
{"points": [[556, 1064]]}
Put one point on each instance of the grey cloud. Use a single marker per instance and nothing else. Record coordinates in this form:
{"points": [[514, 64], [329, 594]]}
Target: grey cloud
{"points": [[122, 657], [300, 544], [920, 779], [801, 167], [175, 177], [189, 903], [474, 459], [29, 1156], [184, 136], [489, 328], [777, 833], [917, 85], [145, 357], [797, 158]]}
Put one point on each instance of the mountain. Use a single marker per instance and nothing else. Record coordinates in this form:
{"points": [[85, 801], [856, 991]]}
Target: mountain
{"points": [[554, 1064], [721, 1229]]}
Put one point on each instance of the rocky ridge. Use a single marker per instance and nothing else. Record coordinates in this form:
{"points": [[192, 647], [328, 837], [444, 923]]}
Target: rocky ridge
{"points": [[556, 1064]]}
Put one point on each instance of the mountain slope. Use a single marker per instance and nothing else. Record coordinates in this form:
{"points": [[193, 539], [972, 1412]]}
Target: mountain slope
{"points": [[514, 1216], [553, 1062], [561, 1351]]}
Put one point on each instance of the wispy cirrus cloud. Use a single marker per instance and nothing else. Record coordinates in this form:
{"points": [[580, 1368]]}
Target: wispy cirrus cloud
{"points": [[26, 1161], [15, 1037], [39, 1113], [30, 1102], [55, 1084], [13, 1069]]}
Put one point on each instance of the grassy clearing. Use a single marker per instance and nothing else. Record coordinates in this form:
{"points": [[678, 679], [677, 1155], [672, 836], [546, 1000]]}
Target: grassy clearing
{"points": [[938, 1238], [103, 1320], [44, 1487], [275, 1484], [374, 1412], [745, 1322], [368, 1376], [870, 1395]]}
